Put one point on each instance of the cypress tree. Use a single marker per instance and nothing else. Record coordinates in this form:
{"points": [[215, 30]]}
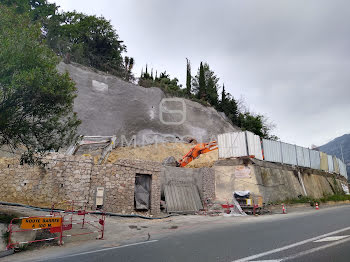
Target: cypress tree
{"points": [[223, 98], [188, 78], [202, 85]]}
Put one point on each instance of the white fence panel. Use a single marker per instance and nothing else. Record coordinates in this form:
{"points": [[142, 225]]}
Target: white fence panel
{"points": [[315, 159], [330, 163], [289, 154], [342, 168], [254, 145], [307, 160], [232, 145], [272, 151], [300, 156]]}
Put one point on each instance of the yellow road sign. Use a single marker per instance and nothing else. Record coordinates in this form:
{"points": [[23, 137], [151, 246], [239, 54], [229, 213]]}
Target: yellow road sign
{"points": [[41, 222]]}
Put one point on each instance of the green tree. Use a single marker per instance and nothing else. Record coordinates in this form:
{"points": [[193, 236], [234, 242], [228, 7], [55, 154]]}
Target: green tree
{"points": [[205, 85], [85, 39], [164, 82], [257, 124], [201, 83], [188, 77], [36, 102], [223, 95], [88, 40], [38, 10], [128, 65]]}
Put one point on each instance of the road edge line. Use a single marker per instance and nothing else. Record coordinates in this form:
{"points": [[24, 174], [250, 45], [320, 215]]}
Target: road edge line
{"points": [[246, 259]]}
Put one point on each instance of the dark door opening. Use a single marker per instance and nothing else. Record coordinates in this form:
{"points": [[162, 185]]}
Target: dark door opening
{"points": [[143, 191]]}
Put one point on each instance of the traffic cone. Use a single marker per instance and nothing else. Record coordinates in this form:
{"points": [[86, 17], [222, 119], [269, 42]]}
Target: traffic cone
{"points": [[284, 209], [317, 208]]}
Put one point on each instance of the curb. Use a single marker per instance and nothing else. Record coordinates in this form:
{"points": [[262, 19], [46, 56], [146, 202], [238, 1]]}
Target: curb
{"points": [[7, 252]]}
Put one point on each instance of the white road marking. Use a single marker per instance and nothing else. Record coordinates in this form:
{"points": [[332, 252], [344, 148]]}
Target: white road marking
{"points": [[307, 252], [273, 260], [330, 239], [246, 259], [109, 248]]}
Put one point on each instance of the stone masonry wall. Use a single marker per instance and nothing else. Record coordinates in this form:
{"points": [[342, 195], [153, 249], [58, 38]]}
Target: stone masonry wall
{"points": [[119, 182], [62, 178], [76, 178]]}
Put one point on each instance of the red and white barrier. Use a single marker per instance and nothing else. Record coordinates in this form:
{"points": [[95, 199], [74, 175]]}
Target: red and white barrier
{"points": [[284, 209], [69, 217]]}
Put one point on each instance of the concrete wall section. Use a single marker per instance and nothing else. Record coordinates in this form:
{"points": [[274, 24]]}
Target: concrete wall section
{"points": [[273, 181]]}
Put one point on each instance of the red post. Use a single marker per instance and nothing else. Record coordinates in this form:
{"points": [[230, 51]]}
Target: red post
{"points": [[9, 229], [103, 225], [84, 216], [61, 233], [284, 210]]}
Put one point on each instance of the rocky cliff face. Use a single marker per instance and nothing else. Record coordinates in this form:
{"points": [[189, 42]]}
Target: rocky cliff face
{"points": [[108, 106]]}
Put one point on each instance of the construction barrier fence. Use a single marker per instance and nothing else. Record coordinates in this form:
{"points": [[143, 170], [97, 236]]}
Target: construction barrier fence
{"points": [[58, 224], [245, 143]]}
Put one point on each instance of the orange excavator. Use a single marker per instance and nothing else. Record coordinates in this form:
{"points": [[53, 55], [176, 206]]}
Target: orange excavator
{"points": [[196, 151]]}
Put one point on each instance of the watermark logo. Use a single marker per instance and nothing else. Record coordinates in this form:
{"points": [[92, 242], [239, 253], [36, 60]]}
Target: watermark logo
{"points": [[172, 111]]}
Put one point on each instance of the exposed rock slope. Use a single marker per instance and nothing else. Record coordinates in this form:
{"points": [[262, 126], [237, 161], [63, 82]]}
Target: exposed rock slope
{"points": [[108, 105]]}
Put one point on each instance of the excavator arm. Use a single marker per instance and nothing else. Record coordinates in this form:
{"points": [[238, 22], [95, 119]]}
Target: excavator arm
{"points": [[196, 151]]}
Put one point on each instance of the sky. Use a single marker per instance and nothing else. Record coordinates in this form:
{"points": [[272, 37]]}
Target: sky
{"points": [[288, 59]]}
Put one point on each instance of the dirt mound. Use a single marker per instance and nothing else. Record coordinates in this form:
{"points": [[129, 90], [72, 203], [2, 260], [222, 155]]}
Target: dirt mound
{"points": [[159, 152]]}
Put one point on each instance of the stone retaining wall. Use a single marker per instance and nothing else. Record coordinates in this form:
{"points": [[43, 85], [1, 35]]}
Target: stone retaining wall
{"points": [[76, 178], [273, 181], [119, 183]]}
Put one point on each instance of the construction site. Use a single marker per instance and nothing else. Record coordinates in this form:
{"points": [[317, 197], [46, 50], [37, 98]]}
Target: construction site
{"points": [[143, 152], [146, 155]]}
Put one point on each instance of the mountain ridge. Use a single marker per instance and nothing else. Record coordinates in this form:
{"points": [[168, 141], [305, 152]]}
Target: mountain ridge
{"points": [[339, 147]]}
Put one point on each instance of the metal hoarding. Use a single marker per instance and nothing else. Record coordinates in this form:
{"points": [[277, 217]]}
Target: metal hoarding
{"points": [[330, 164], [324, 161], [300, 156], [272, 151], [307, 159], [336, 165], [182, 197], [289, 154], [232, 145], [342, 168], [254, 145], [315, 159]]}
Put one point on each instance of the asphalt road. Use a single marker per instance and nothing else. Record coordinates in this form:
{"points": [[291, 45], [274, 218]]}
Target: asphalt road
{"points": [[322, 235]]}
